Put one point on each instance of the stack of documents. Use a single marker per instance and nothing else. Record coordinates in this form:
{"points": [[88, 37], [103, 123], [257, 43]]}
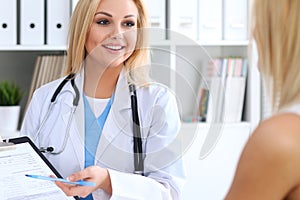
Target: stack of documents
{"points": [[47, 68], [222, 92]]}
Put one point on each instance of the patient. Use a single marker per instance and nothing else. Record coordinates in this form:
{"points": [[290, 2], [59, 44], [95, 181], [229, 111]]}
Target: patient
{"points": [[269, 167]]}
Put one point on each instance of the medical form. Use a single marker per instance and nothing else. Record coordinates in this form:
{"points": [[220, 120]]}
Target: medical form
{"points": [[21, 159]]}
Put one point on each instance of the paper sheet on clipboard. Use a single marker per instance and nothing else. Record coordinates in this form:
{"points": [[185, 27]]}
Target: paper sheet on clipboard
{"points": [[17, 161]]}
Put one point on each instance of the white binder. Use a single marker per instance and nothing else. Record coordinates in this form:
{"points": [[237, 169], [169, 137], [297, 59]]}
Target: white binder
{"points": [[210, 20], [234, 98], [32, 17], [157, 17], [8, 22], [58, 16], [74, 3], [235, 90], [235, 20], [184, 18]]}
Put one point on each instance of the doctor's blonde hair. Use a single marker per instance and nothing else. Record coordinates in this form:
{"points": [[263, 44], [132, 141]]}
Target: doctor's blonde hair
{"points": [[276, 29], [136, 65]]}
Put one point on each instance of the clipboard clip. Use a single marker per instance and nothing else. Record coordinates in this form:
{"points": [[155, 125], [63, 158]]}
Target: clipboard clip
{"points": [[6, 145]]}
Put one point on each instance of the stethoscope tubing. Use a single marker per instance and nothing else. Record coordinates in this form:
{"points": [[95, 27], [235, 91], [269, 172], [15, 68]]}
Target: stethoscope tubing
{"points": [[137, 139]]}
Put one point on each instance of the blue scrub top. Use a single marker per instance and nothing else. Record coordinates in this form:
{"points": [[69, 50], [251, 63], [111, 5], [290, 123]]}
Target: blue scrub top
{"points": [[93, 130]]}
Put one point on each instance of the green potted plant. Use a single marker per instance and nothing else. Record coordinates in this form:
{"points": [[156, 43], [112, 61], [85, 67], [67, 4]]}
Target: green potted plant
{"points": [[10, 97]]}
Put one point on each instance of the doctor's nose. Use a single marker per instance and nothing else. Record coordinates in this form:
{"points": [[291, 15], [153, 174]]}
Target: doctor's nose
{"points": [[117, 32]]}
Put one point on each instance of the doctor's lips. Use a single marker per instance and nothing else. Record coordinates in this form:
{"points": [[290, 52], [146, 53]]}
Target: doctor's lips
{"points": [[114, 47]]}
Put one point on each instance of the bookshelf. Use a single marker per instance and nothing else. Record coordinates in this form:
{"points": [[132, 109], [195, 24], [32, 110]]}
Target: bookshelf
{"points": [[176, 64], [209, 177]]}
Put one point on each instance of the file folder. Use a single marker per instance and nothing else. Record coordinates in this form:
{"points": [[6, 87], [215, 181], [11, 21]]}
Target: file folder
{"points": [[74, 3], [234, 99], [32, 22], [8, 22], [58, 16], [19, 156], [157, 18], [184, 18], [210, 20], [235, 20]]}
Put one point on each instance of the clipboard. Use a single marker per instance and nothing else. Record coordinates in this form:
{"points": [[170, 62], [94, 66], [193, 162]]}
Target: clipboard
{"points": [[17, 155]]}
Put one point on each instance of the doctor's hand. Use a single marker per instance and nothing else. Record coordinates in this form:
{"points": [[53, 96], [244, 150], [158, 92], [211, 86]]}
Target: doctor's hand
{"points": [[93, 174]]}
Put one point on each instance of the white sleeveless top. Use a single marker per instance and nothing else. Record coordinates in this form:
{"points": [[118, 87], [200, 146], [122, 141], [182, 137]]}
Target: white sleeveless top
{"points": [[291, 109], [97, 105]]}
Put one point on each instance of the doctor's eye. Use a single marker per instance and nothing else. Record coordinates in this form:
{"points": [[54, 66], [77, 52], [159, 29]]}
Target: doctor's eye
{"points": [[129, 24], [103, 22]]}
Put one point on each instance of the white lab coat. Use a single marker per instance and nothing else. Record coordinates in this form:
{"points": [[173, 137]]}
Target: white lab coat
{"points": [[160, 124]]}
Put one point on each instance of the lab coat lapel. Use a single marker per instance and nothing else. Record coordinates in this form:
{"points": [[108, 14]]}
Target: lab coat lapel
{"points": [[117, 119], [77, 127]]}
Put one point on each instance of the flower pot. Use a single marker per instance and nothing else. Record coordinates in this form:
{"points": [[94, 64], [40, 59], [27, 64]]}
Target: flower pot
{"points": [[9, 119]]}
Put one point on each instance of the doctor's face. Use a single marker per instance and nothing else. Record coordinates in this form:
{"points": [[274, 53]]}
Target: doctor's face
{"points": [[112, 36]]}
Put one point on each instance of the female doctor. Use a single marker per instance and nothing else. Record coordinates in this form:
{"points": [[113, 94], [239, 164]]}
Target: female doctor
{"points": [[94, 140]]}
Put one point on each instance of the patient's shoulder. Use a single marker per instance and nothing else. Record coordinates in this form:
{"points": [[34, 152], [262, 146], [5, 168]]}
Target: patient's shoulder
{"points": [[278, 140], [270, 157], [282, 129]]}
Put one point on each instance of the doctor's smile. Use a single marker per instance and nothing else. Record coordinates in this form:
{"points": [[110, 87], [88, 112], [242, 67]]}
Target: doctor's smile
{"points": [[114, 47]]}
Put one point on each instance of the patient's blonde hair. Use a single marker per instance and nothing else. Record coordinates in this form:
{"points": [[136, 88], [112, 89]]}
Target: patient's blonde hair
{"points": [[276, 29]]}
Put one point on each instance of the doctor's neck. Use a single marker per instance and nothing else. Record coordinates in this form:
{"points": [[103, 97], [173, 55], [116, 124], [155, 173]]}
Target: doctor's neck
{"points": [[101, 83]]}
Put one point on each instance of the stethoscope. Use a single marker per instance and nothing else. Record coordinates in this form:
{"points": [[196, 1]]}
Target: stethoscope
{"points": [[137, 140]]}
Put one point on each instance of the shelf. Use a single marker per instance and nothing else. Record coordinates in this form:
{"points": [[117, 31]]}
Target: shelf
{"points": [[187, 42], [210, 133], [224, 43], [33, 48], [203, 125], [184, 42], [220, 160]]}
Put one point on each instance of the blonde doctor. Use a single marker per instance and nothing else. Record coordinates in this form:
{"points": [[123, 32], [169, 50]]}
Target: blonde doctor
{"points": [[93, 140]]}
